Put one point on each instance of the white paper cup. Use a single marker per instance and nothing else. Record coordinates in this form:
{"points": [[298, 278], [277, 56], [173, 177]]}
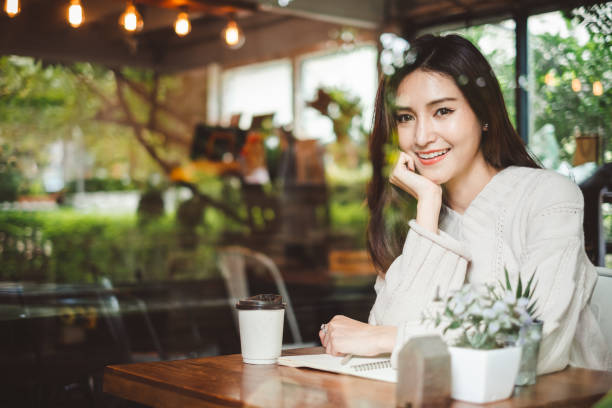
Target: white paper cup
{"points": [[260, 320]]}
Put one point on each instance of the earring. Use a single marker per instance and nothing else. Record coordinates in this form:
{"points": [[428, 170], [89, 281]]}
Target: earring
{"points": [[485, 127]]}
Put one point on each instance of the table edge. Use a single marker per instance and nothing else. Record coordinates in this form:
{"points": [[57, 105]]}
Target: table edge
{"points": [[112, 372]]}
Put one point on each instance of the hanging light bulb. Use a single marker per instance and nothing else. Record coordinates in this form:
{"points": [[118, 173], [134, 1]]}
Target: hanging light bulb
{"points": [[576, 85], [182, 25], [75, 13], [131, 20], [232, 35], [597, 88], [12, 7]]}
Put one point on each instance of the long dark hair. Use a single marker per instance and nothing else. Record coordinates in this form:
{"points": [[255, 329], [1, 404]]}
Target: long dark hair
{"points": [[501, 145]]}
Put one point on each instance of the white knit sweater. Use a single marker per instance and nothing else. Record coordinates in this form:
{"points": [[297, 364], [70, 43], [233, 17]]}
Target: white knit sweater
{"points": [[523, 219]]}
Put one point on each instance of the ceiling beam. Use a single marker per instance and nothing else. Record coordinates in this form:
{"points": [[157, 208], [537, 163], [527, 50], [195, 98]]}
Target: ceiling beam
{"points": [[90, 43], [211, 7], [279, 39], [357, 13]]}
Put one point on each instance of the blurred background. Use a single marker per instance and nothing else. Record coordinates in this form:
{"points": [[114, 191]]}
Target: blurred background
{"points": [[160, 159]]}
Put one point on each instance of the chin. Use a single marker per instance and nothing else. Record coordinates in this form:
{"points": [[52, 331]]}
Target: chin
{"points": [[435, 176]]}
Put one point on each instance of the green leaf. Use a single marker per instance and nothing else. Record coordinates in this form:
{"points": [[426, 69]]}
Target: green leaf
{"points": [[501, 285], [528, 288], [508, 285], [532, 308], [455, 325], [533, 291], [519, 287], [478, 340]]}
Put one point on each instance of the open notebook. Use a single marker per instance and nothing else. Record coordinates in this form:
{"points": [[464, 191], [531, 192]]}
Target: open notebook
{"points": [[376, 368]]}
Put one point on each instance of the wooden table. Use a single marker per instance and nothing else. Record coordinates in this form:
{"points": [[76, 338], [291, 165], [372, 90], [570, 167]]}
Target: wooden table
{"points": [[226, 381]]}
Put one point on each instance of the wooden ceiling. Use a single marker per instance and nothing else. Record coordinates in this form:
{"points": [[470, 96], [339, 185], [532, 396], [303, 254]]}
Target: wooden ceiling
{"points": [[41, 30], [414, 16]]}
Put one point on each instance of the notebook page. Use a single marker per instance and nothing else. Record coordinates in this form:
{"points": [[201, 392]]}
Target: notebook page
{"points": [[327, 362]]}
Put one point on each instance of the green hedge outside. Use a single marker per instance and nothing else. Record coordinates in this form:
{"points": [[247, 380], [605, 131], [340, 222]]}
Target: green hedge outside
{"points": [[69, 247]]}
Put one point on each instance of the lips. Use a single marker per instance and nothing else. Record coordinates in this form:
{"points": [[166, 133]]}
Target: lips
{"points": [[431, 156]]}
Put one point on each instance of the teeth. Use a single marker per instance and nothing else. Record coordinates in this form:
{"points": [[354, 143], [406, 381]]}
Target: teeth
{"points": [[432, 155]]}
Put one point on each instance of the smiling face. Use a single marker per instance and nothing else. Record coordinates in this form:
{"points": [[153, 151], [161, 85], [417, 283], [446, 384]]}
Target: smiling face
{"points": [[437, 127]]}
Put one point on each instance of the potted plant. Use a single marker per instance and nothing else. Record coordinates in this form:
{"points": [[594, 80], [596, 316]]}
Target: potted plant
{"points": [[484, 324]]}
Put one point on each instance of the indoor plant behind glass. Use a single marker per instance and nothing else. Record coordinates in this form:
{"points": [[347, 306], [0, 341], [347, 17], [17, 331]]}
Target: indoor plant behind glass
{"points": [[484, 324]]}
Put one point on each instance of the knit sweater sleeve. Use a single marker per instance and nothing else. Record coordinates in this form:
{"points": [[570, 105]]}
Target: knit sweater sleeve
{"points": [[554, 249], [428, 261]]}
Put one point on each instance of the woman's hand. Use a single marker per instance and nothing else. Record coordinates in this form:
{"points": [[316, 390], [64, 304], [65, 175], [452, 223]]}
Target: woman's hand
{"points": [[348, 336], [427, 193]]}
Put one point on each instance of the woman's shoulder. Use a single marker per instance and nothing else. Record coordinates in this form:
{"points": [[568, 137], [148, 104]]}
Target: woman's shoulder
{"points": [[545, 187]]}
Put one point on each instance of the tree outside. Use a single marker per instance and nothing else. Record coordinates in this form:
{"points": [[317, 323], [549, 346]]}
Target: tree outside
{"points": [[566, 72]]}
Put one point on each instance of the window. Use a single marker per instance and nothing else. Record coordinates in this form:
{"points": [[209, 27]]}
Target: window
{"points": [[353, 72], [258, 89], [570, 71]]}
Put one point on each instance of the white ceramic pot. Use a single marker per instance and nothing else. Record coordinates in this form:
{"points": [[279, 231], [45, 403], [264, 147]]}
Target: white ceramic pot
{"points": [[482, 376]]}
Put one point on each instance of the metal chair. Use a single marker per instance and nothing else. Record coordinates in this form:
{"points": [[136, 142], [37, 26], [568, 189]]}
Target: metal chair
{"points": [[112, 311], [232, 262]]}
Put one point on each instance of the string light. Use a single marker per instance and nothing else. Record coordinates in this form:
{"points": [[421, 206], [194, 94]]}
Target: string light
{"points": [[75, 13], [130, 19], [597, 88], [576, 85], [549, 78], [182, 25], [12, 7], [232, 35]]}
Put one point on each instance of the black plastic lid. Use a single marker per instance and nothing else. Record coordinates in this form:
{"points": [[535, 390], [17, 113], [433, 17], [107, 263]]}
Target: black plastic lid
{"points": [[261, 302]]}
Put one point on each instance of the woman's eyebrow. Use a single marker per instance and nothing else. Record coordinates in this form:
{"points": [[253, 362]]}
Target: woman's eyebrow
{"points": [[437, 101], [431, 103]]}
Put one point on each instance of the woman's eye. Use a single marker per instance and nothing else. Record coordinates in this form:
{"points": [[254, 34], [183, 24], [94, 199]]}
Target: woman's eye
{"points": [[443, 111], [403, 117]]}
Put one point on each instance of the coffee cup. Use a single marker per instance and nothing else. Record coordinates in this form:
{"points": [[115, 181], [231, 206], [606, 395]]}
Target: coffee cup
{"points": [[260, 320]]}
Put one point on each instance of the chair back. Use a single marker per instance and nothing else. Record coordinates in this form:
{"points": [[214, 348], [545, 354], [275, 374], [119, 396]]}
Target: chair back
{"points": [[601, 303], [232, 262]]}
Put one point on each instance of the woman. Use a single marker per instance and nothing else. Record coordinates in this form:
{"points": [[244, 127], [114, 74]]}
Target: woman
{"points": [[483, 204]]}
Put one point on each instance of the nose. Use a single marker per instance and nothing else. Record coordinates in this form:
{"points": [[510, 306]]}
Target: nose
{"points": [[425, 133]]}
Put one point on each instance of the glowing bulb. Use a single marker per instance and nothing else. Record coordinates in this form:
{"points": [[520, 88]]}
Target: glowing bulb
{"points": [[131, 20], [576, 85], [11, 7], [597, 88], [232, 34], [549, 78], [182, 26], [75, 13]]}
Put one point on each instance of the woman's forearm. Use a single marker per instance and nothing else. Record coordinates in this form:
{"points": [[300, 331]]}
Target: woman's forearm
{"points": [[428, 210], [386, 338]]}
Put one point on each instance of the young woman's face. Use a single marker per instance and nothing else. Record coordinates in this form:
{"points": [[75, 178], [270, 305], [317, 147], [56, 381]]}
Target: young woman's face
{"points": [[436, 126]]}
